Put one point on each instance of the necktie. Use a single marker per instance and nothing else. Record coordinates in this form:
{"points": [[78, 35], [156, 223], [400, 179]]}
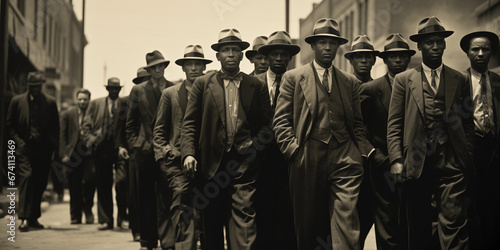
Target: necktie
{"points": [[325, 81], [277, 90], [113, 108], [484, 99], [433, 80], [237, 77]]}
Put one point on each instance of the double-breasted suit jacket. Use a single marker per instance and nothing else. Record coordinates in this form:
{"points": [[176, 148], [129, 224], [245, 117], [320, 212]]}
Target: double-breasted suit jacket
{"points": [[406, 132], [204, 128]]}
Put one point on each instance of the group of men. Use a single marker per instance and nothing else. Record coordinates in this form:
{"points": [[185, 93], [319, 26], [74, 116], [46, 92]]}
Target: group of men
{"points": [[309, 158]]}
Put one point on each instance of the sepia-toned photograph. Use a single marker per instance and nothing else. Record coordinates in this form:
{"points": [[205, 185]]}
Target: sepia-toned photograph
{"points": [[250, 125]]}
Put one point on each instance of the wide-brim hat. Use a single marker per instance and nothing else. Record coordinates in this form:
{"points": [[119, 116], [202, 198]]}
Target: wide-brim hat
{"points": [[326, 27], [396, 43], [193, 52], [35, 78], [154, 58], [361, 43], [142, 76], [465, 41], [279, 40], [430, 26], [257, 42], [230, 36], [113, 82]]}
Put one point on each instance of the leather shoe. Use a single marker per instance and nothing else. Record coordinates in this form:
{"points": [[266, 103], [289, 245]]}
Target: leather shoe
{"points": [[137, 237], [76, 222], [89, 219], [35, 224], [124, 224], [105, 226], [24, 227]]}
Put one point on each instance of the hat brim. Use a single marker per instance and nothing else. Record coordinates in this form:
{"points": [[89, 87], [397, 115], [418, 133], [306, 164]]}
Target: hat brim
{"points": [[141, 79], [180, 61], [465, 41], [35, 83], [107, 86], [250, 53], [244, 45], [312, 38], [349, 54], [154, 63], [291, 48], [417, 37], [384, 53]]}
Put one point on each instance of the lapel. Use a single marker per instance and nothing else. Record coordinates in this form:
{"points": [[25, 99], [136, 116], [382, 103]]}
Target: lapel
{"points": [[308, 85], [415, 83], [345, 95], [215, 85], [385, 93], [182, 95], [450, 87], [150, 96], [74, 119], [246, 94], [24, 108], [495, 92]]}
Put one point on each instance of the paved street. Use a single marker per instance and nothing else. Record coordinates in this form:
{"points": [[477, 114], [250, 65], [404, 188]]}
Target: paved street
{"points": [[60, 234]]}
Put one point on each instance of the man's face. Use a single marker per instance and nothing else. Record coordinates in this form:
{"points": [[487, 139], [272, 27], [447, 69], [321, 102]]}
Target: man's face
{"points": [[479, 53], [397, 62], [362, 62], [325, 49], [432, 48], [157, 71], [113, 92], [230, 57], [193, 69], [260, 63], [278, 60], [35, 91], [83, 100]]}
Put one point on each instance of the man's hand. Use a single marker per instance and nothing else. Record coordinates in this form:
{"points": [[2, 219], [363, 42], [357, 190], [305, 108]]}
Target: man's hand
{"points": [[65, 159], [396, 171], [190, 165], [123, 153]]}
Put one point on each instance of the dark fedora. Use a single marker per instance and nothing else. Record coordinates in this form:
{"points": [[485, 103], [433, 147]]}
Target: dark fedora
{"points": [[279, 40], [257, 42], [396, 43], [430, 26], [230, 36], [465, 41], [113, 82], [193, 52], [326, 27], [35, 78], [154, 58], [361, 43], [142, 76]]}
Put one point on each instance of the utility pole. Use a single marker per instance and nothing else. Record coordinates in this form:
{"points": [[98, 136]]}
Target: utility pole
{"points": [[287, 16], [82, 43], [4, 57]]}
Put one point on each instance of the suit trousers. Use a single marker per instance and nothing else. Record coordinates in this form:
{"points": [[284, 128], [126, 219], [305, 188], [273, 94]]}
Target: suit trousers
{"points": [[33, 165], [133, 181], [80, 193], [436, 202], [365, 205], [227, 200], [182, 211], [325, 181], [105, 156], [121, 189]]}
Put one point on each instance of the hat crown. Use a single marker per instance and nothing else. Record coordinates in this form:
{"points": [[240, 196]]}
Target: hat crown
{"points": [[142, 72], [154, 56], [194, 51], [35, 77], [113, 82], [430, 24], [362, 42], [228, 35], [395, 41], [259, 41], [326, 26], [279, 37]]}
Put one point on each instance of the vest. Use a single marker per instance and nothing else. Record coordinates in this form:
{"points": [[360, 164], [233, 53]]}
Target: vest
{"points": [[434, 108]]}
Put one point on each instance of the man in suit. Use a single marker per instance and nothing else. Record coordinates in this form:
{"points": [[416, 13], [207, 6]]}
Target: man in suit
{"points": [[426, 134], [99, 125], [153, 206], [76, 156], [375, 99], [259, 61], [362, 58], [167, 140], [319, 129], [33, 126], [485, 93], [225, 129], [273, 202]]}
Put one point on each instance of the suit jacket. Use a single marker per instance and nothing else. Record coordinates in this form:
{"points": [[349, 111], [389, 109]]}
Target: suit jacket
{"points": [[120, 137], [297, 105], [70, 131], [406, 134], [375, 99], [167, 130], [141, 117], [495, 93], [18, 123], [204, 126], [94, 120]]}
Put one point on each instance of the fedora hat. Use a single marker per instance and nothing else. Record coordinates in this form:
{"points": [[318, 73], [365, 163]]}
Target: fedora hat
{"points": [[155, 58], [113, 82], [35, 78], [142, 76], [230, 36], [326, 27], [279, 40], [396, 43], [361, 43], [257, 42], [465, 41], [193, 52], [430, 26]]}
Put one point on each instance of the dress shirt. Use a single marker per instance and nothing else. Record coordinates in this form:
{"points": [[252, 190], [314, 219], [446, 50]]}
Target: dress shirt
{"points": [[231, 90], [428, 75], [478, 102], [110, 106], [271, 84], [321, 71]]}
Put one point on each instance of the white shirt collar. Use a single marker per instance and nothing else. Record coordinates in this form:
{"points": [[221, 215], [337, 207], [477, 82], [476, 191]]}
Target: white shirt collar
{"points": [[320, 69], [428, 70]]}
